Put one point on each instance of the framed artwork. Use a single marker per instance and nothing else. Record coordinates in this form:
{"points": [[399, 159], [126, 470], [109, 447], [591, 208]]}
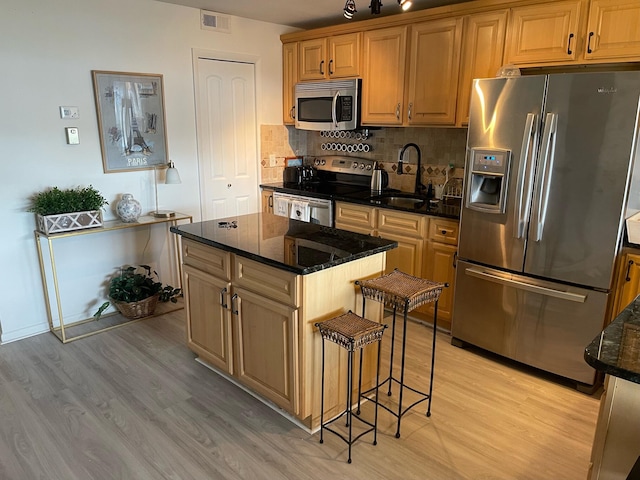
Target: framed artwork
{"points": [[131, 120]]}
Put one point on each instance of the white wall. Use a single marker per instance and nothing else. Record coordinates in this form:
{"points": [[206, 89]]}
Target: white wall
{"points": [[48, 50]]}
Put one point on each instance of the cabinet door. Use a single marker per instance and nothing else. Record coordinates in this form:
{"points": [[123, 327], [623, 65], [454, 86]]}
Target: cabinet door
{"points": [[344, 55], [545, 33], [267, 348], [439, 266], [409, 230], [267, 201], [433, 72], [312, 62], [289, 80], [383, 75], [482, 50], [208, 318], [355, 218], [613, 30], [628, 281]]}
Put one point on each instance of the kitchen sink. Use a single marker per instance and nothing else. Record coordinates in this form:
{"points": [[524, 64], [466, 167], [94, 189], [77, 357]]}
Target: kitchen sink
{"points": [[400, 200]]}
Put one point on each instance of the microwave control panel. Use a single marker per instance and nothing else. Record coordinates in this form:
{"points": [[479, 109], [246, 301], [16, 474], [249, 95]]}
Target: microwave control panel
{"points": [[345, 109]]}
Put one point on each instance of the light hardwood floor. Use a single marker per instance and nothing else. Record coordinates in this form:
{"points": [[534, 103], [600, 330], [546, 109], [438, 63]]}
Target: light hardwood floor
{"points": [[133, 404]]}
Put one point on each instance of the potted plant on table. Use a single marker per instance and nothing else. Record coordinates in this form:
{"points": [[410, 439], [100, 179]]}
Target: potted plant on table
{"points": [[69, 209], [136, 291]]}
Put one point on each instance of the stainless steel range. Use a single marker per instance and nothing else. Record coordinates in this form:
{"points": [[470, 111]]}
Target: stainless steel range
{"points": [[327, 178]]}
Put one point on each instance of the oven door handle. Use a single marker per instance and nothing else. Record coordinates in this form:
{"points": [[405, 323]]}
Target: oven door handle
{"points": [[320, 205]]}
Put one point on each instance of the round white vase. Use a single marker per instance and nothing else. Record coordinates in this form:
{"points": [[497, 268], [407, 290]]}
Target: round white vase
{"points": [[128, 208]]}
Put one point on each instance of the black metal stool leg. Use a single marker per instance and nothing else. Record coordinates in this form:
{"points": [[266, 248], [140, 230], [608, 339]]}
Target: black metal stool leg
{"points": [[322, 395], [349, 399], [433, 357], [393, 341], [360, 383], [404, 347], [375, 414]]}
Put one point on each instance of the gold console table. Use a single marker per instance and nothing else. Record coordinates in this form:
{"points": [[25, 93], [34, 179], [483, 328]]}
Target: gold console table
{"points": [[111, 225]]}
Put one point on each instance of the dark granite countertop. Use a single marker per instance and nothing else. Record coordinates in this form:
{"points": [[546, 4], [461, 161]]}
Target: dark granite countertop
{"points": [[616, 351], [265, 238], [363, 197]]}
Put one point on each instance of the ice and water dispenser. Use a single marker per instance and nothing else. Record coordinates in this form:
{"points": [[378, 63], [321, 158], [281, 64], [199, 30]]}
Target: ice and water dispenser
{"points": [[488, 179]]}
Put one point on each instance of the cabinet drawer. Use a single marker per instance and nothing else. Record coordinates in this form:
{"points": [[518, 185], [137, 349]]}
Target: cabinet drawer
{"points": [[270, 282], [400, 223], [208, 259], [443, 231], [360, 216]]}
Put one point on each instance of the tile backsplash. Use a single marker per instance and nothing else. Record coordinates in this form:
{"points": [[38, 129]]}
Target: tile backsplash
{"points": [[441, 149]]}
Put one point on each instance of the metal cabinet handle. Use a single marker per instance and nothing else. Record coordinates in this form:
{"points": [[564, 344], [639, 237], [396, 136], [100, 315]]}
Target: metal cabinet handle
{"points": [[270, 201], [292, 112], [409, 113], [455, 259], [222, 292], [443, 232], [322, 67], [589, 43], [330, 67], [627, 277], [569, 51], [398, 111], [234, 297]]}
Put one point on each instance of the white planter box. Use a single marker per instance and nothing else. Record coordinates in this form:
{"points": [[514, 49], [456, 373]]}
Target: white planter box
{"points": [[67, 222]]}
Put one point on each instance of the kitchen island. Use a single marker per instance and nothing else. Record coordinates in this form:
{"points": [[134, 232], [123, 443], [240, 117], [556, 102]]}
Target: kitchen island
{"points": [[256, 284], [616, 352]]}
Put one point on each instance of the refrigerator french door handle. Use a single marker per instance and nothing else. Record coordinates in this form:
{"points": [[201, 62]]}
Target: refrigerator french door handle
{"points": [[527, 162], [334, 115], [549, 292], [544, 177]]}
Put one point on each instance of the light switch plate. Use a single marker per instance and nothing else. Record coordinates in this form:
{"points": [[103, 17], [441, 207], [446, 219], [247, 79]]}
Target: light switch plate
{"points": [[73, 136], [69, 112]]}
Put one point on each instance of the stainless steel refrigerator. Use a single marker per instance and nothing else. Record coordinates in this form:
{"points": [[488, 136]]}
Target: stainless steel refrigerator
{"points": [[550, 167]]}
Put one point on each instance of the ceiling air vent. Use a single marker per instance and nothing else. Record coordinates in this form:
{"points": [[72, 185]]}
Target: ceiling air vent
{"points": [[215, 21]]}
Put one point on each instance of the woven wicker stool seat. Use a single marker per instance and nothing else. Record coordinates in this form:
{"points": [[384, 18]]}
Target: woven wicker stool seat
{"points": [[352, 333], [403, 292]]}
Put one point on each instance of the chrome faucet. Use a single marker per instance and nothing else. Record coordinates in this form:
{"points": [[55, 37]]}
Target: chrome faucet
{"points": [[419, 186]]}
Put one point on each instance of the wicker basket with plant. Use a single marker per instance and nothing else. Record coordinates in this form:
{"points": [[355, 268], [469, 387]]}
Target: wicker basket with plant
{"points": [[136, 291]]}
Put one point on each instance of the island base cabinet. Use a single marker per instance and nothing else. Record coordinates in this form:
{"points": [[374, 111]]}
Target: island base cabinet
{"points": [[208, 320], [267, 352]]}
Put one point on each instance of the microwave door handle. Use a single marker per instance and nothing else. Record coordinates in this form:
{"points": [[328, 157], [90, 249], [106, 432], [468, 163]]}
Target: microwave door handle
{"points": [[525, 175], [544, 178], [334, 115]]}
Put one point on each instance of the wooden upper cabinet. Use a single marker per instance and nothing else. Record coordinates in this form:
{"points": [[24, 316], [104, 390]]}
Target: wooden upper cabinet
{"points": [[482, 50], [384, 58], [433, 72], [289, 80], [334, 57], [546, 33], [613, 30]]}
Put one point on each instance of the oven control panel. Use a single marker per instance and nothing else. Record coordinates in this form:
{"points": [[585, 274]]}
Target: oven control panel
{"points": [[343, 164]]}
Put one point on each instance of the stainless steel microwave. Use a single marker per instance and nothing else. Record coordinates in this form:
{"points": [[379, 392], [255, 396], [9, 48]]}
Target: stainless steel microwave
{"points": [[330, 105]]}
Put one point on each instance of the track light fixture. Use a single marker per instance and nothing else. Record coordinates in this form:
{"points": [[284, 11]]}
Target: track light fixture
{"points": [[375, 7], [349, 9], [404, 4]]}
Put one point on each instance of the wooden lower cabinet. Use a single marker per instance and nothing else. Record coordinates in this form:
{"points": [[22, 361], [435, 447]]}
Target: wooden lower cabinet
{"points": [[209, 321], [628, 284], [267, 201], [267, 347], [440, 267], [256, 324]]}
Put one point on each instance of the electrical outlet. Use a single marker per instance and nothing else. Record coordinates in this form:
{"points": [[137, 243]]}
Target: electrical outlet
{"points": [[73, 136], [273, 162]]}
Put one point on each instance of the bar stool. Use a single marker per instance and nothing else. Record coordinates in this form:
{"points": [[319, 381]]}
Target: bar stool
{"points": [[351, 332], [405, 292]]}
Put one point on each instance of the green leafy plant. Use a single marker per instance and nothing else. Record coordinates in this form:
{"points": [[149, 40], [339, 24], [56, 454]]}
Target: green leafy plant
{"points": [[138, 283], [55, 201]]}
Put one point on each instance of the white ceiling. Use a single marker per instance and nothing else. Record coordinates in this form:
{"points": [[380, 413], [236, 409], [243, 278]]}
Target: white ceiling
{"points": [[302, 13]]}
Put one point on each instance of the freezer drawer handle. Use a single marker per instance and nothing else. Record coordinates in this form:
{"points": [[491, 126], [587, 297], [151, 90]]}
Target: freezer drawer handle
{"points": [[550, 292]]}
